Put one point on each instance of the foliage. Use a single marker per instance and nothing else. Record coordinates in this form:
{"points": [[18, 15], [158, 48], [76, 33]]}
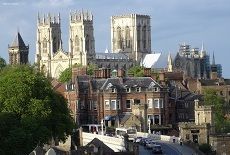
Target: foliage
{"points": [[205, 148], [31, 112], [90, 69], [137, 71], [211, 97], [66, 75], [2, 63]]}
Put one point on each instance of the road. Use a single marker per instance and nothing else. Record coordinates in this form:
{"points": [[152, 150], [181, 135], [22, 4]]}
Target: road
{"points": [[168, 149]]}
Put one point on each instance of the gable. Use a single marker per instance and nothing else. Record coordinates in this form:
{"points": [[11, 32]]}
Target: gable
{"points": [[60, 55]]}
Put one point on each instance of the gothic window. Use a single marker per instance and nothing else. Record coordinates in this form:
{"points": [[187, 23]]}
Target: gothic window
{"points": [[144, 37], [44, 45], [55, 45], [77, 43], [127, 37], [119, 40], [87, 46], [138, 36]]}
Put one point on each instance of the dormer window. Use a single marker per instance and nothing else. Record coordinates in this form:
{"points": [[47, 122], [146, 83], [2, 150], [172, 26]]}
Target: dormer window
{"points": [[113, 90], [128, 90], [156, 89], [138, 89]]}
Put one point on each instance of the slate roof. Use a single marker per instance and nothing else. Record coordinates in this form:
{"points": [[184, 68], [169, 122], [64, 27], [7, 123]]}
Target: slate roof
{"points": [[214, 82], [83, 83], [18, 41], [111, 56], [97, 143], [143, 82], [38, 151]]}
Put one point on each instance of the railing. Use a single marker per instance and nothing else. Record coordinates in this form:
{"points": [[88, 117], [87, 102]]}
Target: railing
{"points": [[159, 137]]}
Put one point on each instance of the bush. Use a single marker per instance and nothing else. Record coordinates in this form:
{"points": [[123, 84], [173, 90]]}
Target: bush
{"points": [[206, 148]]}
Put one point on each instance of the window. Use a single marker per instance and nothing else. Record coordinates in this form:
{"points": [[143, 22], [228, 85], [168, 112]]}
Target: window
{"points": [[77, 43], [221, 93], [128, 104], [138, 89], [113, 90], [156, 89], [161, 103], [77, 104], [156, 103], [156, 119], [113, 105], [150, 103], [187, 136], [107, 105], [94, 105], [118, 104], [137, 101], [44, 44], [90, 105], [127, 37], [186, 105], [128, 90]]}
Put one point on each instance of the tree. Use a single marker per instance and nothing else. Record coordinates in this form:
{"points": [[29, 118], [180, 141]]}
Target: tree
{"points": [[66, 75], [211, 97], [205, 148], [91, 68], [137, 71], [36, 111], [2, 63]]}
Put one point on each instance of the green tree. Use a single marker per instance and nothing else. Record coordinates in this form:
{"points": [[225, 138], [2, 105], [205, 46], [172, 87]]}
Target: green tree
{"points": [[205, 148], [211, 97], [36, 111], [2, 63], [136, 71], [91, 68], [66, 75]]}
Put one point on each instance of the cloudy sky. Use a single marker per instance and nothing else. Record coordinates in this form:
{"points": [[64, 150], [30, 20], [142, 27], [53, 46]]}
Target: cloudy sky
{"points": [[173, 22]]}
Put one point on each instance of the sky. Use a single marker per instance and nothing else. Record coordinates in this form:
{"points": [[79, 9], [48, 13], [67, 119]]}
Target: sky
{"points": [[173, 22]]}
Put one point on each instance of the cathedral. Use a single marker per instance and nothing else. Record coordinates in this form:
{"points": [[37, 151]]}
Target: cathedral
{"points": [[130, 40]]}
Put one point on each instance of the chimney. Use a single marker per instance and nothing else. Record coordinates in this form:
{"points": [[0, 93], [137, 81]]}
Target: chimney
{"points": [[147, 72], [121, 73]]}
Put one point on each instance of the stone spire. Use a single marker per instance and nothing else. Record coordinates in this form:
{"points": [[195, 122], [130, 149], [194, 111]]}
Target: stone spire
{"points": [[213, 59], [170, 68]]}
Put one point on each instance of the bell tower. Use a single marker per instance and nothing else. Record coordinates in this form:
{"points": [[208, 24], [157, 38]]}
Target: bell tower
{"points": [[81, 37], [48, 40]]}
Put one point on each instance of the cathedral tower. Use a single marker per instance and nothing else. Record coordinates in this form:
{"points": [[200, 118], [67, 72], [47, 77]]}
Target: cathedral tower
{"points": [[81, 37], [131, 34], [18, 51], [48, 40]]}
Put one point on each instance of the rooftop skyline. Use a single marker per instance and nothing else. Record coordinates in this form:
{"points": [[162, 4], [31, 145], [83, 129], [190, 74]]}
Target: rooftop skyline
{"points": [[172, 23]]}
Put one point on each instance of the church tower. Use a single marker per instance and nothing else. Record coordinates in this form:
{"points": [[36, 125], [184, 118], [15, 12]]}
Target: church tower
{"points": [[18, 51], [81, 38], [48, 40], [131, 34]]}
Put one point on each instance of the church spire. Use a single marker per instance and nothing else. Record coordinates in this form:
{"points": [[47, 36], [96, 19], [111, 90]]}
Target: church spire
{"points": [[213, 59], [170, 68]]}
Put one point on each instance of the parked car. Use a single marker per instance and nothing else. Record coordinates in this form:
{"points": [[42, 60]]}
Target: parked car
{"points": [[150, 144], [137, 140], [157, 149]]}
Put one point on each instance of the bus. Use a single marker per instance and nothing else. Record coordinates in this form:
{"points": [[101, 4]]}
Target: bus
{"points": [[132, 133], [92, 128]]}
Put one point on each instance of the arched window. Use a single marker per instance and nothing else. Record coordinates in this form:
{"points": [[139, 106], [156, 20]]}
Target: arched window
{"points": [[119, 40], [127, 37], [44, 46], [144, 37], [55, 45], [77, 43], [87, 44], [138, 37]]}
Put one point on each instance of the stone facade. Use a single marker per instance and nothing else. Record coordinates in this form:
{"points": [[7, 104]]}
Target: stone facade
{"points": [[50, 56], [220, 144], [131, 34], [18, 51]]}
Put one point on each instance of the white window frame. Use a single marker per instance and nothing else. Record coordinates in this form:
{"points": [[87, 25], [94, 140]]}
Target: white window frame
{"points": [[113, 90], [95, 105], [128, 90], [156, 89], [161, 103], [150, 102], [138, 89], [129, 102], [107, 103], [156, 105], [115, 105]]}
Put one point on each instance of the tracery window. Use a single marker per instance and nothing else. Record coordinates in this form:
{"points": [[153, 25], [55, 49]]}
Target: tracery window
{"points": [[77, 43], [44, 45], [127, 37], [119, 40]]}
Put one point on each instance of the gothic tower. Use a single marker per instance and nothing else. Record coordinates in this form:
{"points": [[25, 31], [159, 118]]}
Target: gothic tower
{"points": [[81, 37], [18, 51], [131, 34], [48, 40]]}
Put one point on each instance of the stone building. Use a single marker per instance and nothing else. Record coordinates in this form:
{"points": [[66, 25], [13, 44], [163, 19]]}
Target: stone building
{"points": [[131, 34], [50, 56], [131, 41], [198, 131], [18, 51]]}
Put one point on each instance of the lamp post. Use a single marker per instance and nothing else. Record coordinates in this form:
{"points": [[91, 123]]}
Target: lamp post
{"points": [[102, 128], [149, 125]]}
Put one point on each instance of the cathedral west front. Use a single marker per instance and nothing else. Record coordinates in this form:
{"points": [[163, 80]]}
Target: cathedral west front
{"points": [[130, 40]]}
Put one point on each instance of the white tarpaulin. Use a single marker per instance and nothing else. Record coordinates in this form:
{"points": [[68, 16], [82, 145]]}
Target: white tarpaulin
{"points": [[150, 60]]}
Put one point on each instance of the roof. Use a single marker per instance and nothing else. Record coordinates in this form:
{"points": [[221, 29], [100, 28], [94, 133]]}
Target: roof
{"points": [[215, 82], [151, 59], [111, 56], [143, 82], [97, 143], [38, 151], [18, 41]]}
